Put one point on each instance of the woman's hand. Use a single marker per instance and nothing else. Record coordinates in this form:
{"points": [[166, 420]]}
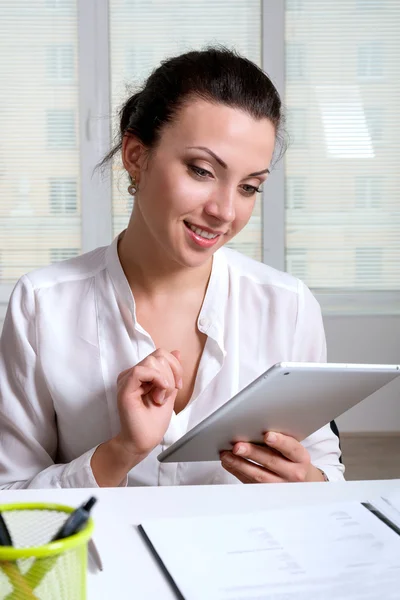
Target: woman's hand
{"points": [[145, 394], [282, 459]]}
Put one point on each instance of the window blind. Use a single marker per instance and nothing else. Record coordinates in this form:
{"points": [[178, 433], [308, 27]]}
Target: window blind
{"points": [[342, 167], [144, 33], [39, 151]]}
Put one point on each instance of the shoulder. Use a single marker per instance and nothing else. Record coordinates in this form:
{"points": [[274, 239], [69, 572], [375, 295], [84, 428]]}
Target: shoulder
{"points": [[257, 274], [56, 282], [80, 268], [257, 281]]}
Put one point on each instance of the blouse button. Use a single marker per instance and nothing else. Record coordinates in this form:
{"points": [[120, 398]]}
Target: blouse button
{"points": [[203, 322]]}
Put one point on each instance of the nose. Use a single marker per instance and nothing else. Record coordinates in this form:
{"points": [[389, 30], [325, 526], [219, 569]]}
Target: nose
{"points": [[222, 205]]}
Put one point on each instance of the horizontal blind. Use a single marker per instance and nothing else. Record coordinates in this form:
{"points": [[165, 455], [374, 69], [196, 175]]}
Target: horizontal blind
{"points": [[342, 167], [144, 33], [39, 152]]}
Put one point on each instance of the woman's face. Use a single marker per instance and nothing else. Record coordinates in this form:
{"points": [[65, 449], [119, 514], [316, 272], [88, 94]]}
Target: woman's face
{"points": [[198, 187]]}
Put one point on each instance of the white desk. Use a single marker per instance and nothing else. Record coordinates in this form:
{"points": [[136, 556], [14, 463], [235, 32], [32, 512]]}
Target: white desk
{"points": [[130, 571]]}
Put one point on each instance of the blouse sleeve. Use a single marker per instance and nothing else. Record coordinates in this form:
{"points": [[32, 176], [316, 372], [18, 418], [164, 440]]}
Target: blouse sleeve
{"points": [[310, 346], [28, 429]]}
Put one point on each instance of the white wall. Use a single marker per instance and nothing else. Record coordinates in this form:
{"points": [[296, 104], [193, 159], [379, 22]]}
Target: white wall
{"points": [[368, 340]]}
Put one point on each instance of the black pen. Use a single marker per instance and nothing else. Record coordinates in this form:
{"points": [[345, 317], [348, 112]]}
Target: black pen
{"points": [[5, 537], [76, 521], [381, 517]]}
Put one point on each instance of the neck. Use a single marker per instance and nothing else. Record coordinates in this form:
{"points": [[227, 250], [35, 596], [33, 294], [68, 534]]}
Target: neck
{"points": [[148, 268]]}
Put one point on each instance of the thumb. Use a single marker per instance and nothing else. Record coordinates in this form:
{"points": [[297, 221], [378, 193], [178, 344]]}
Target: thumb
{"points": [[177, 354]]}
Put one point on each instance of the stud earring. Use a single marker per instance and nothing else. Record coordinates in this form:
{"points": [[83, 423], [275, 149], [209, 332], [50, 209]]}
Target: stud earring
{"points": [[133, 188]]}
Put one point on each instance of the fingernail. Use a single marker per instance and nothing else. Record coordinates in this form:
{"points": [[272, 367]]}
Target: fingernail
{"points": [[161, 397], [271, 437], [227, 458], [240, 450]]}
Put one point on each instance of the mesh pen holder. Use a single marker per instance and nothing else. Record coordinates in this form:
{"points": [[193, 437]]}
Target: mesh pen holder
{"points": [[34, 569]]}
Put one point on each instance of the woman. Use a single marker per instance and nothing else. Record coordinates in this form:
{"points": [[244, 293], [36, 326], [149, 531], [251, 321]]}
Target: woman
{"points": [[110, 357]]}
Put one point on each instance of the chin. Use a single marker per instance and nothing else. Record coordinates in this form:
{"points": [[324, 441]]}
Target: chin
{"points": [[192, 259], [194, 262]]}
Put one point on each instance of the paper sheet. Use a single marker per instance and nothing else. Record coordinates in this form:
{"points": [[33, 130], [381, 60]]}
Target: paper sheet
{"points": [[331, 552]]}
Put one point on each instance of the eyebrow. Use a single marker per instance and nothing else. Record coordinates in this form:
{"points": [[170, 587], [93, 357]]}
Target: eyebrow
{"points": [[221, 162]]}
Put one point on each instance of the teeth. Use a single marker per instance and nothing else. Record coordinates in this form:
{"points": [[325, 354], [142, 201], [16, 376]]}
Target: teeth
{"points": [[202, 232]]}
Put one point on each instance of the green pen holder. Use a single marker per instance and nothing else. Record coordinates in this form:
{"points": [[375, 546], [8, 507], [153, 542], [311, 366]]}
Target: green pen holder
{"points": [[33, 568]]}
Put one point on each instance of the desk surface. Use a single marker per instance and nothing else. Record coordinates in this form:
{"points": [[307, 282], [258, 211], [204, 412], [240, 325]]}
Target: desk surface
{"points": [[129, 569]]}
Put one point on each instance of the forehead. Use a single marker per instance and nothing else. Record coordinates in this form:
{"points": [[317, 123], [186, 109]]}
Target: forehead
{"points": [[230, 132]]}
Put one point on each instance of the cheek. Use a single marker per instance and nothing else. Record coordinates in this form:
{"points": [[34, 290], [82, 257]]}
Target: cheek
{"points": [[243, 212], [186, 195], [175, 193]]}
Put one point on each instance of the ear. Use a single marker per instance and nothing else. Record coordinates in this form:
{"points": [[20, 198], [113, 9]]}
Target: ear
{"points": [[133, 155]]}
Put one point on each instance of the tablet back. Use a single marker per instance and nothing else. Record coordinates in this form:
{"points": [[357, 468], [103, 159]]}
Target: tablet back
{"points": [[291, 398]]}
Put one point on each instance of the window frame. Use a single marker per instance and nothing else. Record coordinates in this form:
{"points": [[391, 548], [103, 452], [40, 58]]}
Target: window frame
{"points": [[94, 138]]}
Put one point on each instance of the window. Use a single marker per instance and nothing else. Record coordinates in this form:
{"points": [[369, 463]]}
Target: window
{"points": [[139, 65], [370, 4], [339, 177], [294, 61], [63, 195], [60, 128], [60, 4], [346, 117], [295, 192], [60, 63], [368, 266], [370, 60], [294, 5], [296, 262], [37, 185], [368, 191], [374, 119], [58, 254], [297, 126]]}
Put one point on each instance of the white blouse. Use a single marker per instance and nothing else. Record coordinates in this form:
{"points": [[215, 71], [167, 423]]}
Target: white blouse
{"points": [[71, 328]]}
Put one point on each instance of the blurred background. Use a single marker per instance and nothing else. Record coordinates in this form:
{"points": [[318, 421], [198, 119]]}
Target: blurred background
{"points": [[330, 213]]}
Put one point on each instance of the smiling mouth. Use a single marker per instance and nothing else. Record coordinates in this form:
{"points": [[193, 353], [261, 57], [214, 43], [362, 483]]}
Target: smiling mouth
{"points": [[207, 235]]}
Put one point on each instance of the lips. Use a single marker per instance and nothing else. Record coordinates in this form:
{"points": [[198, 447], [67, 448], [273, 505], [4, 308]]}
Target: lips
{"points": [[204, 238]]}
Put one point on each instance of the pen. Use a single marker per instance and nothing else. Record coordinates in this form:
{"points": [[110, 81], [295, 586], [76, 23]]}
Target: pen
{"points": [[94, 555], [17, 580], [75, 522], [381, 517], [5, 537]]}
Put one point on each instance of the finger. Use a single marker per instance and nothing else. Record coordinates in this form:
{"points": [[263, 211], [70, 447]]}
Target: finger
{"points": [[160, 397], [141, 375], [287, 446], [122, 375], [267, 458], [174, 364], [237, 474], [243, 469]]}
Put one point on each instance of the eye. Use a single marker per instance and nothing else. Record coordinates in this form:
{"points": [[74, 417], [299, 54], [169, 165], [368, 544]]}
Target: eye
{"points": [[199, 172], [250, 190]]}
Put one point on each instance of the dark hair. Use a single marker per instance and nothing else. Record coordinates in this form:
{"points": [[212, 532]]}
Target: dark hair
{"points": [[215, 74]]}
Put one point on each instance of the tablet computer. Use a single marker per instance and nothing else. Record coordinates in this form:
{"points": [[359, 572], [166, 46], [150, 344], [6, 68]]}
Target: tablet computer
{"points": [[296, 399]]}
